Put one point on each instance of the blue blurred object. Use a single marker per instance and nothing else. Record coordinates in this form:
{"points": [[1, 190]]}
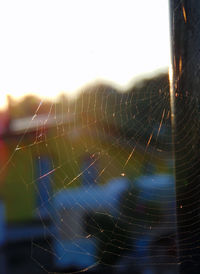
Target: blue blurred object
{"points": [[72, 247], [44, 185], [93, 197], [157, 191], [157, 187]]}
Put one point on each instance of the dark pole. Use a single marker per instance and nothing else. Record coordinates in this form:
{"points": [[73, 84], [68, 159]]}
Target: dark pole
{"points": [[185, 106]]}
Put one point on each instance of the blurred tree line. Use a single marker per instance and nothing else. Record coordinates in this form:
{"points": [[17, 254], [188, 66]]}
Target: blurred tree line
{"points": [[141, 113]]}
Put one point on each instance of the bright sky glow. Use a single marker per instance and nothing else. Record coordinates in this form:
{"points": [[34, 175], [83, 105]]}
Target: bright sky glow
{"points": [[48, 47]]}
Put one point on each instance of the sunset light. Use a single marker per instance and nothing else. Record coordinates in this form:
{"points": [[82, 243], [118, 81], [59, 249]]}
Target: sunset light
{"points": [[49, 47]]}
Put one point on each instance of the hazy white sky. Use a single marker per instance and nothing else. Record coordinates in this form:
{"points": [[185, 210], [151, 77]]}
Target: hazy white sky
{"points": [[51, 46]]}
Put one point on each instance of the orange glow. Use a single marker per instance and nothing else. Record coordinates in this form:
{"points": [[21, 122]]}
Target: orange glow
{"points": [[184, 14], [149, 139], [180, 64]]}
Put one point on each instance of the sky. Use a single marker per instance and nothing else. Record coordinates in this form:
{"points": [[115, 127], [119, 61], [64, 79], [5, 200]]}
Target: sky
{"points": [[52, 46]]}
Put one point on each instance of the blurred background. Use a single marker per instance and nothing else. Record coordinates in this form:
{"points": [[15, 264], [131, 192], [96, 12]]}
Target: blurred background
{"points": [[86, 166]]}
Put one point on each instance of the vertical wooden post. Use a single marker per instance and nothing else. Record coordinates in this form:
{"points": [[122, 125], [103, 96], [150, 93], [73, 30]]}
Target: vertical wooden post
{"points": [[185, 106]]}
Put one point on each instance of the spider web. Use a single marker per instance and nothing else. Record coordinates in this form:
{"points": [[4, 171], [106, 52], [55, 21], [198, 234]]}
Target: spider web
{"points": [[98, 176], [93, 176]]}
